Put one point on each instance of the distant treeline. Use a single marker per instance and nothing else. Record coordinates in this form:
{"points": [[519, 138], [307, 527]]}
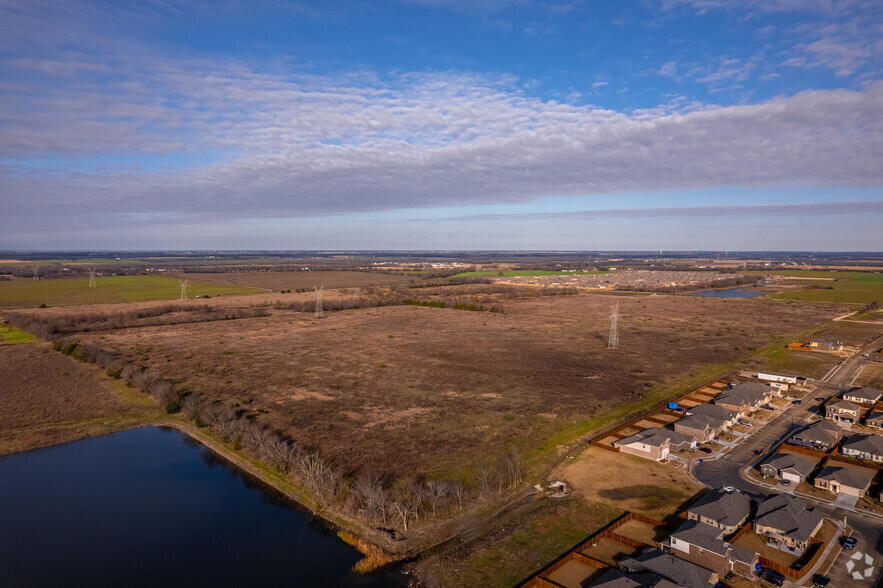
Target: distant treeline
{"points": [[736, 280]]}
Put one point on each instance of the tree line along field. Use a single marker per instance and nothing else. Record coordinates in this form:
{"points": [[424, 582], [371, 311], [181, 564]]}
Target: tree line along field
{"points": [[404, 391], [109, 289], [299, 280], [512, 273]]}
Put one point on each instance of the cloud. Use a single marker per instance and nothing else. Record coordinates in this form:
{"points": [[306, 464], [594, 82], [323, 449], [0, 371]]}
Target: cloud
{"points": [[600, 84], [765, 210]]}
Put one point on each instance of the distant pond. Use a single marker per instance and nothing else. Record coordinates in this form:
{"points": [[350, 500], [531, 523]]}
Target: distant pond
{"points": [[152, 507], [729, 293]]}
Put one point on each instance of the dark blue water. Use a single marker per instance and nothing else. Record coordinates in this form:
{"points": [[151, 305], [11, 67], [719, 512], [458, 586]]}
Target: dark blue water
{"points": [[152, 507], [729, 293]]}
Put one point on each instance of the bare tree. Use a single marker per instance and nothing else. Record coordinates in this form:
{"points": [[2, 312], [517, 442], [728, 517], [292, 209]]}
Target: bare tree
{"points": [[191, 406], [403, 511], [459, 491], [438, 492], [485, 478]]}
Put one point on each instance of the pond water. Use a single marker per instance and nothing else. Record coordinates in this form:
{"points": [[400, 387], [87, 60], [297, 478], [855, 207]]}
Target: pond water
{"points": [[152, 507], [729, 293]]}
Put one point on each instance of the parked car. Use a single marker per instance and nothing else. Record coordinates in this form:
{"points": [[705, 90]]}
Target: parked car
{"points": [[785, 482], [866, 355], [820, 581], [768, 407], [705, 449], [795, 401], [747, 423], [728, 489], [848, 542], [772, 576]]}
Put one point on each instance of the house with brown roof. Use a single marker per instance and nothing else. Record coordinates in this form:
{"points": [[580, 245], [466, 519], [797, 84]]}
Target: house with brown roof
{"points": [[787, 520], [862, 446], [864, 395], [654, 443], [843, 411], [845, 479], [722, 509]]}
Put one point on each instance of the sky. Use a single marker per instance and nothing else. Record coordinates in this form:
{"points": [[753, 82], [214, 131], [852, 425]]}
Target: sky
{"points": [[743, 125]]}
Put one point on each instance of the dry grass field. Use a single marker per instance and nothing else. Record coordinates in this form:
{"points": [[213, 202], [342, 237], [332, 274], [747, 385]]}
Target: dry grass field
{"points": [[300, 280], [43, 392], [407, 390]]}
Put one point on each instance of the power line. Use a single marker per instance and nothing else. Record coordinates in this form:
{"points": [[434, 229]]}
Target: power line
{"points": [[183, 285], [613, 341], [320, 313]]}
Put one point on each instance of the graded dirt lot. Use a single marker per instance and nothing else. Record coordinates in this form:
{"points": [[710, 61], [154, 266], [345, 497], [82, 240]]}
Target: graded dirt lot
{"points": [[402, 391], [43, 392], [301, 280]]}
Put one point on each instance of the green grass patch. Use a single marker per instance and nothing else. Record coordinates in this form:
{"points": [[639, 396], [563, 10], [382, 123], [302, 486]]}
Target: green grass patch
{"points": [[513, 273], [110, 289], [848, 287], [11, 336]]}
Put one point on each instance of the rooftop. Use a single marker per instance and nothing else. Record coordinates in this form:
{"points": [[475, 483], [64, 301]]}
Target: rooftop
{"points": [[872, 444], [788, 515], [725, 508], [788, 461], [848, 476], [866, 393], [673, 569]]}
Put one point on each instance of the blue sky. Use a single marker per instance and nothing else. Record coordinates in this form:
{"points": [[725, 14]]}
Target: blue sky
{"points": [[442, 124]]}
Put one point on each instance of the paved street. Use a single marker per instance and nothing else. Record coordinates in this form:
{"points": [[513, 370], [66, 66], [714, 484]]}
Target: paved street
{"points": [[850, 568]]}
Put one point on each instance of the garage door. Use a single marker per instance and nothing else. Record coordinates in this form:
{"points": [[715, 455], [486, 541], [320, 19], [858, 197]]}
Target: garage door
{"points": [[792, 477]]}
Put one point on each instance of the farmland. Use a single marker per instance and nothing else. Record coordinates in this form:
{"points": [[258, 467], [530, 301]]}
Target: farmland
{"points": [[299, 280], [109, 289], [441, 389], [821, 286]]}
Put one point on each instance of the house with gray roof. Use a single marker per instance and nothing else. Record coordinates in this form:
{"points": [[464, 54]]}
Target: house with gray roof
{"points": [[702, 427], [654, 443], [613, 578], [844, 411], [845, 479], [786, 519], [726, 417], [875, 420], [789, 466], [744, 398], [704, 546], [826, 344], [822, 435], [721, 509], [863, 395], [863, 446], [678, 571]]}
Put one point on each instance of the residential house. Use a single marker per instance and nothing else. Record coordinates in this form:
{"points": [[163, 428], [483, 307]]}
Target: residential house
{"points": [[787, 520], [843, 411], [789, 466], [654, 443], [863, 395], [726, 417], [704, 546], [826, 344], [744, 398], [674, 569], [822, 435], [862, 446], [722, 509], [875, 419], [845, 479], [702, 427], [613, 578]]}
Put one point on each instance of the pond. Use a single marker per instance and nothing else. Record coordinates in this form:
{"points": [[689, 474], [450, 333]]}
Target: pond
{"points": [[729, 293], [152, 507]]}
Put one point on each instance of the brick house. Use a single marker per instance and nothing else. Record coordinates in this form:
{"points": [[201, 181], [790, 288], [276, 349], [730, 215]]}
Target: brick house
{"points": [[721, 509], [703, 545], [843, 411], [845, 479]]}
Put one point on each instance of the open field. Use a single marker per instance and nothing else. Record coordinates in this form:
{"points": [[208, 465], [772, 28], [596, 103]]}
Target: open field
{"points": [[809, 364], [849, 287], [512, 273], [852, 334], [300, 280], [871, 375], [44, 394], [109, 289], [443, 389]]}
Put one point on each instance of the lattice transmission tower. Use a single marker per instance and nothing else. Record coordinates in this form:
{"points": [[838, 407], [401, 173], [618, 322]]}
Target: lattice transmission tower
{"points": [[320, 313], [36, 272], [92, 283], [183, 285], [613, 341]]}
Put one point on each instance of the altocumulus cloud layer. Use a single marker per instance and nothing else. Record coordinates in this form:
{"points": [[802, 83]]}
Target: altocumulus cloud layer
{"points": [[314, 145]]}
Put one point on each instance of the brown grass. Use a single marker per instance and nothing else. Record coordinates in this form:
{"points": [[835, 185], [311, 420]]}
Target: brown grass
{"points": [[300, 279], [440, 389], [47, 398]]}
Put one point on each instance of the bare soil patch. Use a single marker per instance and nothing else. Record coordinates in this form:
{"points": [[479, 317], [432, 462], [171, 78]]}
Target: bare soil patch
{"points": [[440, 389]]}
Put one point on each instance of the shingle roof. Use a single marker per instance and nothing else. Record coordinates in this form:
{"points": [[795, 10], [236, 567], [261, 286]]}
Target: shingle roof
{"points": [[866, 393], [875, 416], [872, 444], [613, 578], [852, 477], [788, 515], [745, 393], [700, 421], [725, 508], [676, 570], [845, 405], [657, 437], [787, 461], [820, 432], [702, 535], [714, 411]]}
